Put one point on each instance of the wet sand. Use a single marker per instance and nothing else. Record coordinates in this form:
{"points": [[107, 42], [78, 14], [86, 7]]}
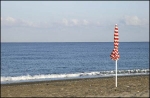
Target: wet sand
{"points": [[128, 86]]}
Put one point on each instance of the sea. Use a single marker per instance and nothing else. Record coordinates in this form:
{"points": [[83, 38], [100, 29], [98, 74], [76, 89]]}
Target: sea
{"points": [[46, 61]]}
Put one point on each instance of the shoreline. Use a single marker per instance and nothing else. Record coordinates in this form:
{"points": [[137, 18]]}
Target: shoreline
{"points": [[67, 79], [128, 86]]}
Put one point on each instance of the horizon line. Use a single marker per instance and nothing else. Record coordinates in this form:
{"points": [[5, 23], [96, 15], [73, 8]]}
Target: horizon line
{"points": [[72, 42]]}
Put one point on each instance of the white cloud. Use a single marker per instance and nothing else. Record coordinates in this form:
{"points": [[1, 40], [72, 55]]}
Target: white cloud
{"points": [[12, 22], [75, 21], [65, 22], [10, 19], [134, 20], [85, 22]]}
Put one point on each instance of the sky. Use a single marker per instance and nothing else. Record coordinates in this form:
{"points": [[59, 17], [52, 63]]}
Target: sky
{"points": [[74, 21]]}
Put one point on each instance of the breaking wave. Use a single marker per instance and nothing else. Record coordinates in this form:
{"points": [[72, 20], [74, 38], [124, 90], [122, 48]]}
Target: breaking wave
{"points": [[42, 77]]}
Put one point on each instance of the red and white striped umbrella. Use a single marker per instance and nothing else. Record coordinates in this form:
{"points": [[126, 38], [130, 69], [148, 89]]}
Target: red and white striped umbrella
{"points": [[115, 53]]}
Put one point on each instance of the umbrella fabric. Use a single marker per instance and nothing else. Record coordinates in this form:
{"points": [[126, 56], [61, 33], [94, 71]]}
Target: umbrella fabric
{"points": [[115, 53]]}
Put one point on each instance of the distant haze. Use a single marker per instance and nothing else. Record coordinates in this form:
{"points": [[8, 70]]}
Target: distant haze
{"points": [[74, 21]]}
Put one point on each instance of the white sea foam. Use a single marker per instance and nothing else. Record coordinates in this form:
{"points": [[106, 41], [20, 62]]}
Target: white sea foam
{"points": [[73, 75]]}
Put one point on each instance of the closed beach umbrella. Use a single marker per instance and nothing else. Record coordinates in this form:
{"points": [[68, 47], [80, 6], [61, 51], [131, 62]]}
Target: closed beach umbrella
{"points": [[115, 53]]}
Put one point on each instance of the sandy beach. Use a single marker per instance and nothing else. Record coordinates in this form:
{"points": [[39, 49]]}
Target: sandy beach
{"points": [[128, 86]]}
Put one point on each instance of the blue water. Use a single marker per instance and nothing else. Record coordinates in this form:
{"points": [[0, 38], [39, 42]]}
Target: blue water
{"points": [[53, 60]]}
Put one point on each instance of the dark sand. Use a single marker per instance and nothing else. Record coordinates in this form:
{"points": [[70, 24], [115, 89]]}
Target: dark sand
{"points": [[128, 86]]}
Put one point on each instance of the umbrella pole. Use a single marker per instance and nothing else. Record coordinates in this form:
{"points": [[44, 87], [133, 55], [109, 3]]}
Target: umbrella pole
{"points": [[116, 73]]}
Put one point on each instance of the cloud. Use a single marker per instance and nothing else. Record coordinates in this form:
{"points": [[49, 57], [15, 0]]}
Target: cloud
{"points": [[125, 20], [12, 22], [65, 22], [85, 22], [133, 20], [74, 22], [9, 21]]}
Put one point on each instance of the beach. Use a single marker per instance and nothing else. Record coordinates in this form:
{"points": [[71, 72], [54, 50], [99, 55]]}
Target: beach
{"points": [[128, 86]]}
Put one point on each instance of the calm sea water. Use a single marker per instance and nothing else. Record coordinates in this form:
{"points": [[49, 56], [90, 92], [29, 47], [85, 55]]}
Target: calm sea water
{"points": [[41, 61]]}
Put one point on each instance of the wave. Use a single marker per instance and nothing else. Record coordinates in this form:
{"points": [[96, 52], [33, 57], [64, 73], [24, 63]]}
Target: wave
{"points": [[72, 75]]}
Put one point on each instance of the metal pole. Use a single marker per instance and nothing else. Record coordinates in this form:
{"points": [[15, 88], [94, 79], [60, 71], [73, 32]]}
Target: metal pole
{"points": [[116, 73]]}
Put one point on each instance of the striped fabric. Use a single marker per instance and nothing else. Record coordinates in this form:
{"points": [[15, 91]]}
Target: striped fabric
{"points": [[115, 53]]}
